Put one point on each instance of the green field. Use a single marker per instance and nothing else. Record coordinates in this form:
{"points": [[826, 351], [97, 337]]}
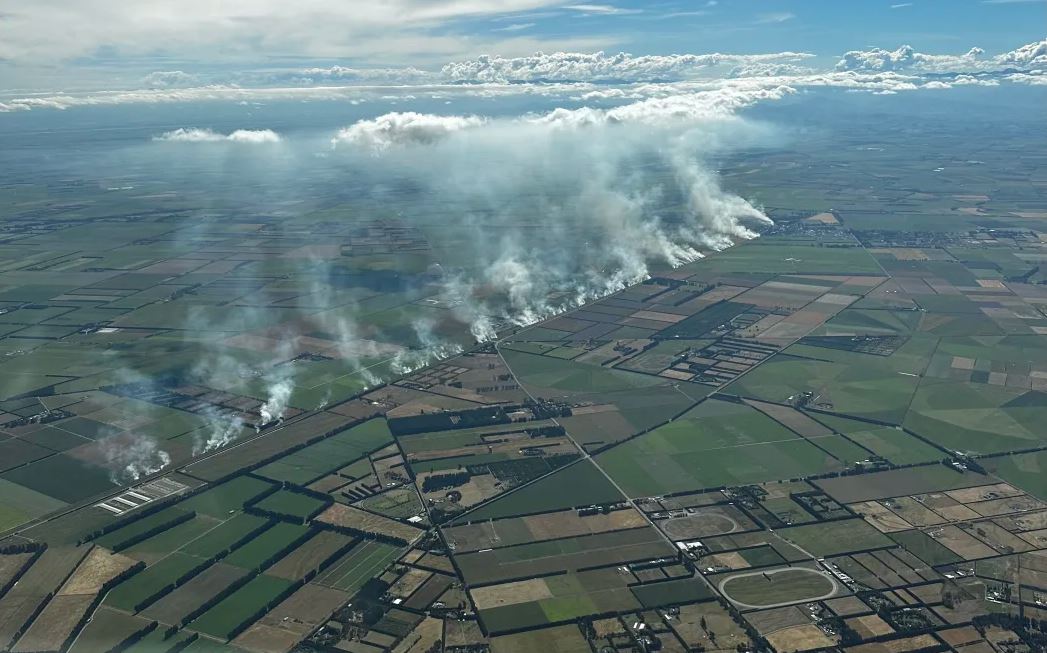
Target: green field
{"points": [[925, 548], [580, 484], [363, 562], [254, 553], [292, 504], [316, 460], [226, 618], [220, 500], [221, 538], [893, 444], [835, 537], [716, 444], [1027, 471], [123, 537], [148, 582], [546, 376]]}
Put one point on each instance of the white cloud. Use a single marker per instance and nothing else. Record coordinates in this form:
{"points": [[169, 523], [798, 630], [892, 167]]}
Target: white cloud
{"points": [[45, 31], [515, 27], [901, 5], [196, 135], [1030, 55], [907, 58], [169, 79], [603, 10], [402, 129], [598, 66], [775, 17]]}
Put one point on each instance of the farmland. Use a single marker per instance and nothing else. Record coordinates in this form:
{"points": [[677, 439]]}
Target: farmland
{"points": [[265, 424]]}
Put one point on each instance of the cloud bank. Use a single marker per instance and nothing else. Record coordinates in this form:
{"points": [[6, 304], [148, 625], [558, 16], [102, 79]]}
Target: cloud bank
{"points": [[195, 135]]}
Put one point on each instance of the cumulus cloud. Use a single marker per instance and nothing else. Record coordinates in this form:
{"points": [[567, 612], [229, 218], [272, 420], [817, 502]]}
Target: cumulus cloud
{"points": [[907, 58], [196, 135], [1032, 55], [598, 66]]}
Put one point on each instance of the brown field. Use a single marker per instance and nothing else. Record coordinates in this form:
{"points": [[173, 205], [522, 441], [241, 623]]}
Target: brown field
{"points": [[174, 607], [960, 636], [870, 626], [999, 538], [523, 591], [290, 621], [732, 560], [896, 646], [883, 519], [559, 639], [409, 582], [424, 637], [799, 638], [354, 518], [465, 633], [44, 577], [774, 619], [1028, 522], [536, 528], [106, 629], [688, 626], [915, 513], [847, 605], [11, 565], [823, 218], [309, 555], [98, 568], [961, 543], [984, 493], [55, 624], [997, 507]]}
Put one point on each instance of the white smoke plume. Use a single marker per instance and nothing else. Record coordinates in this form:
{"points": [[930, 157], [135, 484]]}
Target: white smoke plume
{"points": [[223, 428], [131, 457], [563, 207], [196, 135], [432, 349]]}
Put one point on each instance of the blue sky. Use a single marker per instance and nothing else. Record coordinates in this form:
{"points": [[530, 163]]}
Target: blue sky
{"points": [[60, 44]]}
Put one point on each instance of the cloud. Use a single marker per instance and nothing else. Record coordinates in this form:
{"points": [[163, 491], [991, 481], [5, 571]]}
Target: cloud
{"points": [[169, 79], [901, 5], [1028, 56], [515, 27], [602, 10], [401, 129], [195, 135], [598, 66], [776, 17], [907, 58]]}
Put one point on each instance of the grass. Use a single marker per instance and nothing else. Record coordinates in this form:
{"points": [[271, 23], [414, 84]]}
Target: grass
{"points": [[316, 460], [360, 564], [673, 592], [176, 537], [835, 537], [925, 548], [120, 538], [546, 375], [230, 496], [291, 504], [777, 586], [581, 484], [224, 619], [255, 553], [1027, 471], [148, 582], [717, 443], [893, 444], [221, 538]]}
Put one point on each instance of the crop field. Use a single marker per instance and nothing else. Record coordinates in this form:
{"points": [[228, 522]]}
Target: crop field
{"points": [[255, 553], [357, 566], [829, 437], [832, 538], [233, 612], [716, 444]]}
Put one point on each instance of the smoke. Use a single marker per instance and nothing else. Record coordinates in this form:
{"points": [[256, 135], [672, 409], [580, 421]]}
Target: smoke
{"points": [[432, 349], [548, 211], [195, 135], [130, 457], [280, 383], [223, 427]]}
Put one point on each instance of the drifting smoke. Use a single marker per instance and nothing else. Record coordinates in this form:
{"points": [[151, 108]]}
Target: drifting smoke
{"points": [[251, 136], [557, 209], [432, 349], [222, 429], [130, 457]]}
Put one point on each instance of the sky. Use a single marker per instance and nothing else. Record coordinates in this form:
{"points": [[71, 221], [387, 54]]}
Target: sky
{"points": [[51, 45]]}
